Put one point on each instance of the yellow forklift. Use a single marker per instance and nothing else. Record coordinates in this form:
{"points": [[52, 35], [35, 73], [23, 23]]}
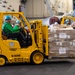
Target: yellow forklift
{"points": [[10, 50], [70, 18]]}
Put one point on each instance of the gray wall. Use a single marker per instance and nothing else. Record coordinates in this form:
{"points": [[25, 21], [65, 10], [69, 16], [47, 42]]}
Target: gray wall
{"points": [[37, 8]]}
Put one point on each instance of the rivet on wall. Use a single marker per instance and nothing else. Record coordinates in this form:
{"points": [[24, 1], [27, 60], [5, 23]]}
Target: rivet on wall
{"points": [[12, 10], [3, 6], [4, 1], [10, 6]]}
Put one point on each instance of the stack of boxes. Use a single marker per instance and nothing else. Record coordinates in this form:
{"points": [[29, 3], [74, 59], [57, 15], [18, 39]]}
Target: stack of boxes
{"points": [[61, 42]]}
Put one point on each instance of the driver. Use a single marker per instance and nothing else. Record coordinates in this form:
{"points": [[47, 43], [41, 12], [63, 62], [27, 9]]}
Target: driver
{"points": [[12, 32], [18, 26]]}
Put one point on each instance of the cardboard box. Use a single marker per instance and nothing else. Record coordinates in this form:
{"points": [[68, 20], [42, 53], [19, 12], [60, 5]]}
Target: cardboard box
{"points": [[62, 35], [62, 43], [62, 51]]}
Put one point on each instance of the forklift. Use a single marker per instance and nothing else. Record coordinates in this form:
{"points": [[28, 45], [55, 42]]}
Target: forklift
{"points": [[12, 52], [71, 18]]}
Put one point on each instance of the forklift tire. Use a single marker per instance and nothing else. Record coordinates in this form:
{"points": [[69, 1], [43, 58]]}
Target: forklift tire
{"points": [[37, 58], [2, 61]]}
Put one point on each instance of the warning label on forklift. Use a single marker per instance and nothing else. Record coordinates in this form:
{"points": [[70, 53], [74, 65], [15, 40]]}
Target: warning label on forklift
{"points": [[62, 50]]}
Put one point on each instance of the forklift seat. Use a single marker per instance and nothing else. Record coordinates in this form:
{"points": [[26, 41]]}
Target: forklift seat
{"points": [[4, 37]]}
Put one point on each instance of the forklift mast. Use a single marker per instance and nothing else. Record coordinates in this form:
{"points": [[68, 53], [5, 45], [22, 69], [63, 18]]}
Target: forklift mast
{"points": [[40, 35], [36, 27]]}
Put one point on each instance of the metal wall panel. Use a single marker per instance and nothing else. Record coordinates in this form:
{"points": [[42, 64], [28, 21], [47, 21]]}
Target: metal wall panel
{"points": [[37, 8], [29, 8], [34, 8], [70, 5]]}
